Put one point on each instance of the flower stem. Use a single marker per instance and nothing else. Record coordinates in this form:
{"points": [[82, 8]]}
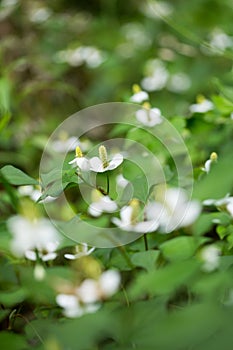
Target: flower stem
{"points": [[145, 241], [107, 183]]}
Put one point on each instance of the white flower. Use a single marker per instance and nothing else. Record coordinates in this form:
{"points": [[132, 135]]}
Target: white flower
{"points": [[139, 96], [81, 162], [211, 257], [72, 307], [226, 202], [86, 298], [149, 117], [213, 159], [157, 76], [40, 15], [92, 291], [121, 181], [179, 82], [101, 164], [175, 211], [129, 219], [39, 272], [65, 144], [102, 204], [202, 106], [81, 250], [33, 237], [109, 282], [34, 194], [90, 55], [220, 40]]}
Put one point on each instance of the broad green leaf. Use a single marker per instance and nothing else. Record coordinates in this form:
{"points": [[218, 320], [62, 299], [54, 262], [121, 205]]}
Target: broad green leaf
{"points": [[11, 298], [165, 280], [218, 182], [16, 176], [181, 248], [146, 259], [10, 340]]}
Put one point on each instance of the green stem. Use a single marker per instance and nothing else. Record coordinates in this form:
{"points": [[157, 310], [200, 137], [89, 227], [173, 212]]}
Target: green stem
{"points": [[107, 183], [145, 241]]}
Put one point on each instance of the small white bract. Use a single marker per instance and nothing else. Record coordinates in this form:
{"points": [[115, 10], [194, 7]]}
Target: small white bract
{"points": [[33, 237], [225, 202], [81, 162], [149, 117], [34, 194], [211, 258], [102, 204], [101, 164], [174, 211], [202, 106], [86, 298], [129, 219], [81, 250], [213, 159], [138, 96]]}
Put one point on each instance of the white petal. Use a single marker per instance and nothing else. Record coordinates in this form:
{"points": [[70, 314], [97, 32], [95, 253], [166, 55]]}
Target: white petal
{"points": [[95, 209], [109, 282], [139, 97], [230, 207], [48, 257], [191, 213], [125, 214], [88, 292], [96, 165], [30, 255], [83, 163], [116, 161], [146, 226]]}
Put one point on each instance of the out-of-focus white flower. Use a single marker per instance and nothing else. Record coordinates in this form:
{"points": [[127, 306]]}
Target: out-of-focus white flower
{"points": [[220, 40], [174, 211], [40, 15], [34, 194], [157, 9], [81, 162], [179, 82], [81, 250], [202, 106], [64, 143], [72, 307], [101, 164], [156, 76], [149, 116], [129, 219], [101, 204], [226, 202], [87, 297], [211, 258], [213, 159], [231, 116], [136, 35], [121, 181], [90, 55], [9, 3], [138, 96], [32, 238], [92, 291]]}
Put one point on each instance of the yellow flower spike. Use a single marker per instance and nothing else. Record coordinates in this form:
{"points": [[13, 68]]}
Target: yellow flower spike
{"points": [[135, 205], [78, 152], [213, 157], [200, 98], [29, 210], [103, 156], [146, 105], [95, 196], [136, 88]]}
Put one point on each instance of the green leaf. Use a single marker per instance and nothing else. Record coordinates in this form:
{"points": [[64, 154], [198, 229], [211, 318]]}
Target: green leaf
{"points": [[146, 259], [16, 176], [10, 340], [218, 182], [181, 248], [11, 298], [165, 280]]}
